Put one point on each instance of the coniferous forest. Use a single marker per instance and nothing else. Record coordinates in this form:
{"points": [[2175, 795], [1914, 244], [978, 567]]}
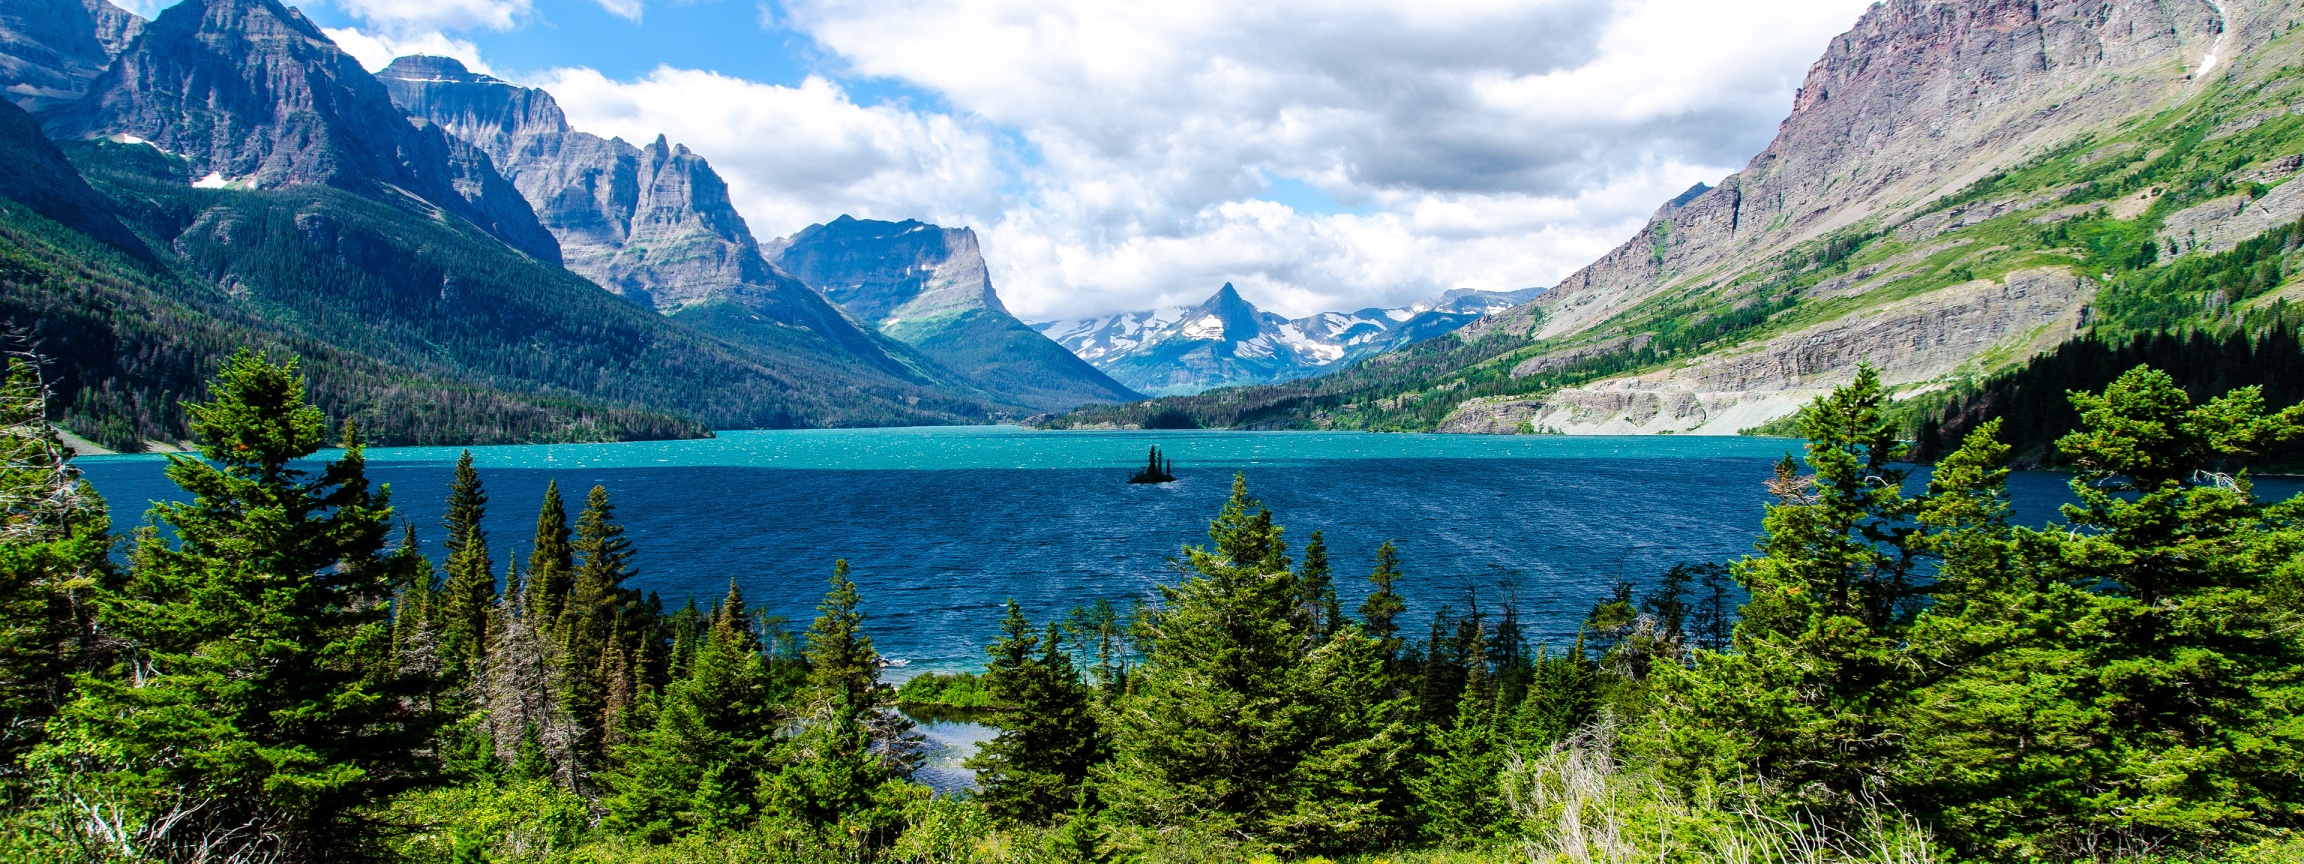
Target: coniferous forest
{"points": [[272, 671]]}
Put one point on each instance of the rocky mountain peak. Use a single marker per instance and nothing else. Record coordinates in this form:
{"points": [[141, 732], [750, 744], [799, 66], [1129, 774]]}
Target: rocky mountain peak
{"points": [[253, 95], [880, 270], [50, 50]]}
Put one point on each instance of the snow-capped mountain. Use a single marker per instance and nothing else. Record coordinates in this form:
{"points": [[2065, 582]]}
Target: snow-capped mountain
{"points": [[1227, 341]]}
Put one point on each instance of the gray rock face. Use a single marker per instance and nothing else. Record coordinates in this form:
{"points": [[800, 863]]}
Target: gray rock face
{"points": [[928, 287], [51, 49], [652, 223], [1921, 98], [254, 95], [1227, 341]]}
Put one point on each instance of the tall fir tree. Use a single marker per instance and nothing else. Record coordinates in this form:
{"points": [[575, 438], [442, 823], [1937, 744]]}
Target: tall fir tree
{"points": [[1233, 724], [1316, 592], [255, 702], [2129, 679], [1458, 790], [1033, 771], [700, 763], [589, 622], [551, 558], [843, 669], [471, 589], [1380, 613]]}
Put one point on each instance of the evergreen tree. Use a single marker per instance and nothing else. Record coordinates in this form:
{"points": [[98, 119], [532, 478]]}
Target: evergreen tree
{"points": [[1316, 593], [843, 670], [588, 628], [1032, 772], [471, 590], [55, 536], [2127, 680], [1458, 790], [700, 764], [1805, 699], [1563, 697], [849, 765], [551, 561], [1380, 613], [253, 706], [1233, 725]]}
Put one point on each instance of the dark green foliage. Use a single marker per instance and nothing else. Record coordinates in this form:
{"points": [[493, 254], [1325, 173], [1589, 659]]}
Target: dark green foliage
{"points": [[55, 537], [258, 690], [1033, 771], [2034, 413], [551, 560], [963, 690], [1380, 613], [699, 766], [424, 330], [843, 669], [471, 589], [1231, 720]]}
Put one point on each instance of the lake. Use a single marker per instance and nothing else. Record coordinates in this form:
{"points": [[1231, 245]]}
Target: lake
{"points": [[943, 525]]}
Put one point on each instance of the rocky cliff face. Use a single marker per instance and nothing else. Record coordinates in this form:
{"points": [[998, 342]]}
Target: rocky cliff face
{"points": [[1227, 341], [255, 96], [51, 49], [653, 223], [1920, 99], [928, 287]]}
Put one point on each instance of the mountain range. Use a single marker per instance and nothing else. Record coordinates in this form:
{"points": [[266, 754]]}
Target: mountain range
{"points": [[451, 260], [1959, 188], [1227, 341]]}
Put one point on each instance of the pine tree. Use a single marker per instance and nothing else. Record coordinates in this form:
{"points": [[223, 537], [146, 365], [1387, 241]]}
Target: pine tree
{"points": [[850, 764], [1316, 593], [1380, 613], [1033, 771], [551, 561], [700, 764], [249, 707], [471, 590], [54, 544], [843, 670], [1458, 790], [1806, 697], [1232, 724], [588, 623], [2129, 679]]}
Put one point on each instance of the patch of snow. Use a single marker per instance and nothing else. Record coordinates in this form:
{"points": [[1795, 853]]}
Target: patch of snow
{"points": [[1259, 347], [214, 180], [1402, 314], [1210, 327]]}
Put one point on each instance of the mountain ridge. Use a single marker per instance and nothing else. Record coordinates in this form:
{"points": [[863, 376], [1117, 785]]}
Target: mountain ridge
{"points": [[1164, 352]]}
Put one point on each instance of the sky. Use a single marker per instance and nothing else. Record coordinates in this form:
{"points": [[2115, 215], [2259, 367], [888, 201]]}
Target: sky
{"points": [[1116, 156]]}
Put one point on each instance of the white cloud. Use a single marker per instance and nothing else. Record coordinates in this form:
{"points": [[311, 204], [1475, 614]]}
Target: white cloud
{"points": [[405, 17], [796, 155], [375, 51], [1503, 143], [623, 8]]}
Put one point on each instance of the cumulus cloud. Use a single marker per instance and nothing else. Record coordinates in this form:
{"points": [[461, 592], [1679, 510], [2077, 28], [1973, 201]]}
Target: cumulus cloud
{"points": [[797, 155], [1502, 144], [376, 50]]}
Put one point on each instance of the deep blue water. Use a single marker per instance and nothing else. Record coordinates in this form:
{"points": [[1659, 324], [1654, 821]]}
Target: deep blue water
{"points": [[942, 526]]}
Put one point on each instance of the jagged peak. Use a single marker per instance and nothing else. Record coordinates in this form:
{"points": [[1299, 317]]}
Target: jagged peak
{"points": [[432, 67]]}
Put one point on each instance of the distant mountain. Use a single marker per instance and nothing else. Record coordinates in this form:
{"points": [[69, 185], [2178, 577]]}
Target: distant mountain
{"points": [[51, 49], [256, 97], [928, 287], [1958, 188], [1227, 341], [295, 210], [653, 223]]}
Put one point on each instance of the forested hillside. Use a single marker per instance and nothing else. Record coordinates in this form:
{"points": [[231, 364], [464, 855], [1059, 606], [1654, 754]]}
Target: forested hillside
{"points": [[1896, 675]]}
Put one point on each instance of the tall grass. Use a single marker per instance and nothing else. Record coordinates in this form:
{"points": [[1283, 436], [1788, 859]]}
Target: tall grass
{"points": [[1580, 805]]}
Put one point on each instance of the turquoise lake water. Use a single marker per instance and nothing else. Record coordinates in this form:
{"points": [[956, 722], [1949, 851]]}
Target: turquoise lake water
{"points": [[943, 525]]}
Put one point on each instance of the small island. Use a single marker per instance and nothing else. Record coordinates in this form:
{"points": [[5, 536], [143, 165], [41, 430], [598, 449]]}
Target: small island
{"points": [[1156, 469]]}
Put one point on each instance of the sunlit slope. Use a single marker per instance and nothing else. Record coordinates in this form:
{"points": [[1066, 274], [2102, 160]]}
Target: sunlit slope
{"points": [[1960, 186]]}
